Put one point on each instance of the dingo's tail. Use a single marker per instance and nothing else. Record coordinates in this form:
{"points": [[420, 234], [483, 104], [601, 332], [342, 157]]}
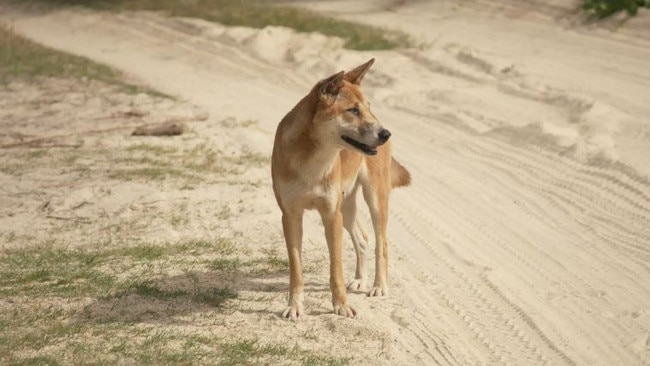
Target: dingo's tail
{"points": [[399, 176]]}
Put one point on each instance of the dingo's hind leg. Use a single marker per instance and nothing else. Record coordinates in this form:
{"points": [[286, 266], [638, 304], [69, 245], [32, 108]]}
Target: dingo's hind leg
{"points": [[359, 240], [375, 192]]}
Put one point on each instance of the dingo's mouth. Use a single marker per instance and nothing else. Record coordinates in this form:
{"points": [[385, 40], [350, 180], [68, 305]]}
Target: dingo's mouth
{"points": [[366, 149]]}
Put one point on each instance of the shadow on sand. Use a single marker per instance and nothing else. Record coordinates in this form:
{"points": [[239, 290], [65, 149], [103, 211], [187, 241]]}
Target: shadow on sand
{"points": [[167, 299]]}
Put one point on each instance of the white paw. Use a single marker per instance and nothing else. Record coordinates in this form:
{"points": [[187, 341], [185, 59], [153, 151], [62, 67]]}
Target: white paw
{"points": [[378, 290], [357, 285]]}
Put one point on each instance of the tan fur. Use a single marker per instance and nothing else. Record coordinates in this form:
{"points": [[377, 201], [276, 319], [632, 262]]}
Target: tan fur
{"points": [[326, 148]]}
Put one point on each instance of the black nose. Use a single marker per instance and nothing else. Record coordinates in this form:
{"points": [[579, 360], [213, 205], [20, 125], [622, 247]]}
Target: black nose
{"points": [[384, 135]]}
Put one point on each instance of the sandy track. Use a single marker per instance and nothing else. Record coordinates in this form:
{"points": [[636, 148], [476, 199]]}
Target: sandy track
{"points": [[524, 239]]}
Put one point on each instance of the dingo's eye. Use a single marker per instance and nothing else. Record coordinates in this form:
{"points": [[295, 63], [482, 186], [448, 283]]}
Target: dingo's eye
{"points": [[355, 111]]}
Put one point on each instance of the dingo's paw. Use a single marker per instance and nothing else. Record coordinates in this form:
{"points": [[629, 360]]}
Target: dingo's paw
{"points": [[293, 312], [378, 290], [345, 310], [357, 285]]}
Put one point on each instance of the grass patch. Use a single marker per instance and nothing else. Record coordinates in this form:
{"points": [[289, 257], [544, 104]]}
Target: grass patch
{"points": [[146, 174], [214, 297], [141, 162], [259, 14], [226, 264], [605, 8], [49, 271], [249, 158], [152, 149], [271, 263], [150, 346], [252, 352], [46, 318], [146, 162], [36, 154], [37, 361], [225, 246], [22, 59]]}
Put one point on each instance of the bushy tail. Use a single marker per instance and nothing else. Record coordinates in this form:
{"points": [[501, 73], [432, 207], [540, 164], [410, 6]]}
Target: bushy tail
{"points": [[399, 176]]}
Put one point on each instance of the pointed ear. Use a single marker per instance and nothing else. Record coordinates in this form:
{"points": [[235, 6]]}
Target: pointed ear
{"points": [[332, 85], [355, 76]]}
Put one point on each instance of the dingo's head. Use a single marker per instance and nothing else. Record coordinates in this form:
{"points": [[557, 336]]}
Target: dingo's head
{"points": [[343, 115]]}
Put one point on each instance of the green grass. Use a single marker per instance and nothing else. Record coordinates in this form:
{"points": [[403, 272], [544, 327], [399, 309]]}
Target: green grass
{"points": [[157, 347], [115, 327], [22, 59], [37, 338], [605, 8], [226, 264], [141, 162], [146, 162], [258, 14], [212, 296], [52, 271], [269, 262], [255, 266], [253, 352], [147, 174], [152, 149], [47, 270]]}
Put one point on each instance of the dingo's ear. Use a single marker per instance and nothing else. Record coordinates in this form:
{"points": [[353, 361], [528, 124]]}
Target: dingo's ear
{"points": [[355, 76], [332, 85]]}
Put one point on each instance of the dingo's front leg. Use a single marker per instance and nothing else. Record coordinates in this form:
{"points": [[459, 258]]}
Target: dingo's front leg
{"points": [[333, 223], [292, 227]]}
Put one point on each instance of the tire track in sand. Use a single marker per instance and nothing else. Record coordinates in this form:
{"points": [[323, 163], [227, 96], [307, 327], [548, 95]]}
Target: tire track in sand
{"points": [[525, 174], [489, 319]]}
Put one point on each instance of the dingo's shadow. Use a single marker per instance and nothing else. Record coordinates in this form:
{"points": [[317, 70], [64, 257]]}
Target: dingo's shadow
{"points": [[163, 300]]}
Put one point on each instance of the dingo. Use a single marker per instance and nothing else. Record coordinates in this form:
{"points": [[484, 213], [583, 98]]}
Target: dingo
{"points": [[325, 148]]}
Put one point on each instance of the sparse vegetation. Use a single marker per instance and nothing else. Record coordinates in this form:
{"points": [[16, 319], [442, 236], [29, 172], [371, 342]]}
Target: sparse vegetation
{"points": [[261, 13], [38, 276], [211, 296], [50, 270], [142, 162], [147, 173], [22, 59], [251, 351], [153, 163], [105, 343], [257, 266], [605, 8]]}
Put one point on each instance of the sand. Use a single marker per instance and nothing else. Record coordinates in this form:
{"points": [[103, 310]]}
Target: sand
{"points": [[524, 239]]}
